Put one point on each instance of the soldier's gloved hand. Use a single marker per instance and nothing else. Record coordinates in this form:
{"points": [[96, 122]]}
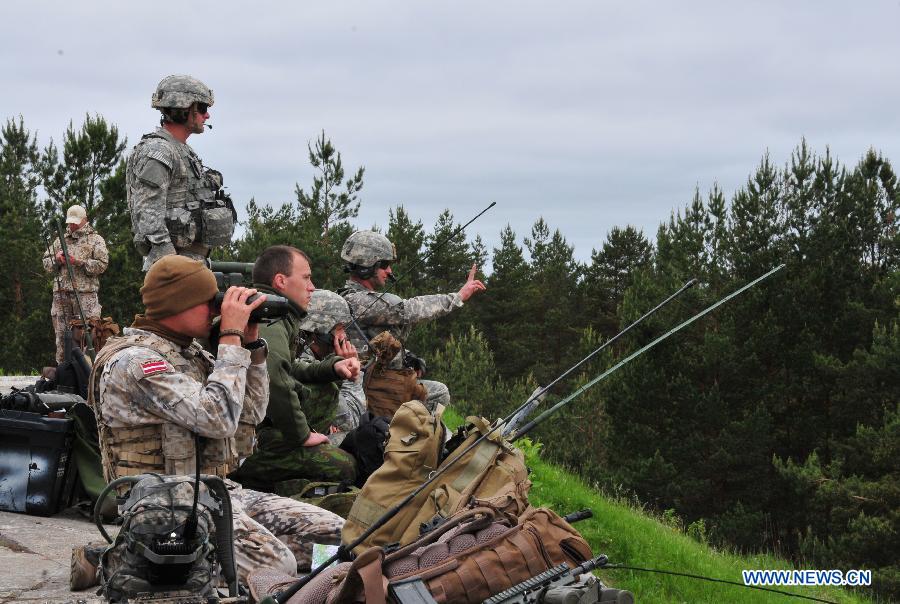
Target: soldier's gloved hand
{"points": [[158, 251], [235, 310], [315, 439], [471, 286]]}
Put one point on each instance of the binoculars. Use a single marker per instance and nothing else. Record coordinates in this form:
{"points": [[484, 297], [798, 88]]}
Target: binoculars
{"points": [[274, 308]]}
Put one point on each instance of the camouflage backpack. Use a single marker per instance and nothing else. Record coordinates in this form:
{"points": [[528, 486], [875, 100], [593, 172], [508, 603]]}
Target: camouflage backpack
{"points": [[152, 553]]}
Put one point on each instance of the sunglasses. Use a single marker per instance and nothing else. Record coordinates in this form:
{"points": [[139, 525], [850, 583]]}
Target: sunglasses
{"points": [[202, 108], [383, 264]]}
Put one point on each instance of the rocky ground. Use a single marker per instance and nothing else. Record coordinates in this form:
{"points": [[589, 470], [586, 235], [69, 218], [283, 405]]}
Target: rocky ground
{"points": [[35, 554]]}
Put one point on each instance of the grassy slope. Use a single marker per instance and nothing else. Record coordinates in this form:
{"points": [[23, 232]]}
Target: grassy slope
{"points": [[631, 537]]}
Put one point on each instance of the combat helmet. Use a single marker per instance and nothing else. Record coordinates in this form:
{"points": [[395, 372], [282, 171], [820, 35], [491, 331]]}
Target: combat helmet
{"points": [[364, 249], [180, 92], [325, 310]]}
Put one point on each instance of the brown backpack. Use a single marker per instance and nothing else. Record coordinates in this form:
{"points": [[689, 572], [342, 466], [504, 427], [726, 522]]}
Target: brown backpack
{"points": [[475, 554], [493, 471], [481, 551], [101, 330]]}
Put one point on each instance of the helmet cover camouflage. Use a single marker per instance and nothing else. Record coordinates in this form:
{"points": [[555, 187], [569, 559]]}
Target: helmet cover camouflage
{"points": [[326, 309], [180, 92], [365, 248]]}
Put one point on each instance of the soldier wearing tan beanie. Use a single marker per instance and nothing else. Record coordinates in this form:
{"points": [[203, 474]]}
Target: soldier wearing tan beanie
{"points": [[174, 284], [157, 390]]}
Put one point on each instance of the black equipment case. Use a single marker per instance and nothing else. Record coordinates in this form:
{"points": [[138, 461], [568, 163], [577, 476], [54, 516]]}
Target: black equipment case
{"points": [[35, 474]]}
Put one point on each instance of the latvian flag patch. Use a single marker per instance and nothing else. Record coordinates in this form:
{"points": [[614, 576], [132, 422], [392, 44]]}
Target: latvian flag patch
{"points": [[153, 367]]}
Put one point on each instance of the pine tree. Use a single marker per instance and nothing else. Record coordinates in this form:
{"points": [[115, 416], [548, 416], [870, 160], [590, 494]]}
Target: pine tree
{"points": [[504, 310], [610, 273], [90, 155], [324, 213], [408, 238], [555, 318], [25, 299]]}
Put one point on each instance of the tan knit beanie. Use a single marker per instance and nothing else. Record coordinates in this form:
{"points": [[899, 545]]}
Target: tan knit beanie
{"points": [[176, 283]]}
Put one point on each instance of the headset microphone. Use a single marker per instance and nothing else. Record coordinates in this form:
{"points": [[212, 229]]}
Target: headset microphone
{"points": [[208, 126]]}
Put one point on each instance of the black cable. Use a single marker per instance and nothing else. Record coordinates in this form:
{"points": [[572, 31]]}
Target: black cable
{"points": [[701, 577]]}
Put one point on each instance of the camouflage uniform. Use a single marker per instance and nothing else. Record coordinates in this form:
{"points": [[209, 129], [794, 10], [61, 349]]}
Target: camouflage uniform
{"points": [[176, 204], [85, 245], [281, 455], [331, 405], [344, 407], [376, 312], [151, 396]]}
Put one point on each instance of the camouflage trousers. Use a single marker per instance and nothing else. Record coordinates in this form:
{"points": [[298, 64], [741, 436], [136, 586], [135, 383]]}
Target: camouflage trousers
{"points": [[322, 463], [278, 532], [64, 308]]}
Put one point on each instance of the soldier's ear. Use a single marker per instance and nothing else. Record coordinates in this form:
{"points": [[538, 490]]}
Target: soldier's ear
{"points": [[278, 281]]}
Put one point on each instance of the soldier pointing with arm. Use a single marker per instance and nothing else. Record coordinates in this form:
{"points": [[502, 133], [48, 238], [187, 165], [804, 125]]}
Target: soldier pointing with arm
{"points": [[177, 205], [368, 256]]}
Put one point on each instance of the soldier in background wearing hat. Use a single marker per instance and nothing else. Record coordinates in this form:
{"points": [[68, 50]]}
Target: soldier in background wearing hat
{"points": [[177, 205], [156, 388], [89, 258]]}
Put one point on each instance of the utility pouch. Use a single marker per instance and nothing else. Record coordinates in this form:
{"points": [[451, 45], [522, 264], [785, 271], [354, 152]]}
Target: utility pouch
{"points": [[182, 227], [218, 223]]}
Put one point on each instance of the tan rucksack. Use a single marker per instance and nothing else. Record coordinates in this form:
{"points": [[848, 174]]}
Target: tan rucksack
{"points": [[416, 437], [475, 554], [493, 471]]}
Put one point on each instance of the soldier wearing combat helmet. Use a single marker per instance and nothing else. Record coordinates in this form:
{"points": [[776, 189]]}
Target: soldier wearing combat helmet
{"points": [[368, 256], [177, 205], [323, 330]]}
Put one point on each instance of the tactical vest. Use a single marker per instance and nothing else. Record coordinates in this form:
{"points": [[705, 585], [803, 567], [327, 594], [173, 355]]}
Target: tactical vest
{"points": [[198, 213], [165, 448]]}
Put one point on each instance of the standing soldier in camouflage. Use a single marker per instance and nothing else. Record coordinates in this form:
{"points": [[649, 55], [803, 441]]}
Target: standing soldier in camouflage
{"points": [[289, 448], [154, 389], [177, 205], [368, 256], [89, 259]]}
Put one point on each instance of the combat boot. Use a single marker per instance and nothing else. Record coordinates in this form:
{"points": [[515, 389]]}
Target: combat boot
{"points": [[85, 566]]}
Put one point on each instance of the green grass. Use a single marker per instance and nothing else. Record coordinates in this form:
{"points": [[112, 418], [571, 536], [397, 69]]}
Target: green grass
{"points": [[632, 537]]}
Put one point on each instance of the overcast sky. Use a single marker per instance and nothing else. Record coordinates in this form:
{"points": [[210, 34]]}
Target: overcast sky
{"points": [[590, 114]]}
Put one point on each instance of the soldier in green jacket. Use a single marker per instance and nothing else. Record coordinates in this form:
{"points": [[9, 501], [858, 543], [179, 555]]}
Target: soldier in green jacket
{"points": [[288, 447]]}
